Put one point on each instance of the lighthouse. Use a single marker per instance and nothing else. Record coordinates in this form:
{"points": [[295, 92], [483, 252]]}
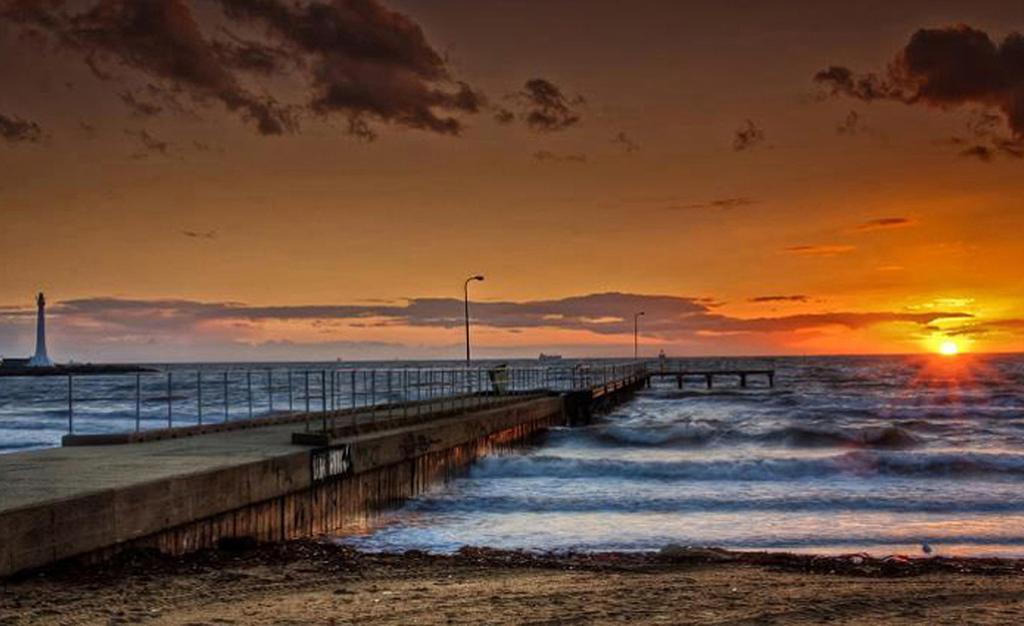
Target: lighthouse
{"points": [[40, 358]]}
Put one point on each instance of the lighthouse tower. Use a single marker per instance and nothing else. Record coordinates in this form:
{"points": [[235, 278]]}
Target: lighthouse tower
{"points": [[40, 359]]}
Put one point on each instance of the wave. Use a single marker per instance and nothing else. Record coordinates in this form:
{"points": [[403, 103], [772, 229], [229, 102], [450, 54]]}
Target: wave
{"points": [[624, 503], [708, 433], [860, 463]]}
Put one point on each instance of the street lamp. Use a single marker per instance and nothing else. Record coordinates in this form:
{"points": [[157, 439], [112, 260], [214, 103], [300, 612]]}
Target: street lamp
{"points": [[465, 293], [636, 329]]}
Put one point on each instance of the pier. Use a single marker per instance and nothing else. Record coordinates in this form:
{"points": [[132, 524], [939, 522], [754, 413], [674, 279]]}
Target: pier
{"points": [[288, 474]]}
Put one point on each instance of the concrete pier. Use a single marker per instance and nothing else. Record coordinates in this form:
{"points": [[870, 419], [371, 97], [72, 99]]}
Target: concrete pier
{"points": [[269, 482]]}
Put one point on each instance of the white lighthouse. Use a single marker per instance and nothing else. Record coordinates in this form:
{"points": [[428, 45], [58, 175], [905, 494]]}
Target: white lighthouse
{"points": [[40, 358]]}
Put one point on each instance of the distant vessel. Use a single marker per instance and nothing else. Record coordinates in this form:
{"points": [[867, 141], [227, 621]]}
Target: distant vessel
{"points": [[549, 357]]}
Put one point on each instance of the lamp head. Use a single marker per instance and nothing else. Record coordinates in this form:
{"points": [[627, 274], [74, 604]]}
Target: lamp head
{"points": [[477, 277]]}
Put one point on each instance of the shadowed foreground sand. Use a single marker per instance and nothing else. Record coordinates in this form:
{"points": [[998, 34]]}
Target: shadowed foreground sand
{"points": [[309, 582]]}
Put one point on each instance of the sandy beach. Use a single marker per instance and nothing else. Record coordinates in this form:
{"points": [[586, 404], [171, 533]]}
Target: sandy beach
{"points": [[310, 582]]}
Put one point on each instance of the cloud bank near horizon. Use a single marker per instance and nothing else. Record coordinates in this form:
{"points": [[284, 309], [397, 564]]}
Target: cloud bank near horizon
{"points": [[605, 318]]}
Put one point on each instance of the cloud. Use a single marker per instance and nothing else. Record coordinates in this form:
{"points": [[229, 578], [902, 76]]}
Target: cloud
{"points": [[625, 142], [820, 250], [366, 60], [720, 203], [149, 143], [747, 136], [544, 107], [982, 153], [138, 107], [945, 67], [547, 155], [797, 298], [504, 116], [196, 234], [884, 223], [358, 58], [851, 124], [668, 317], [16, 130]]}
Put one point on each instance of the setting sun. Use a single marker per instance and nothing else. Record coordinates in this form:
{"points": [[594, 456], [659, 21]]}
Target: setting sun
{"points": [[949, 348]]}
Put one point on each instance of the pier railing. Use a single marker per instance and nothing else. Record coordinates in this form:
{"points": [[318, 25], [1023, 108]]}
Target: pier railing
{"points": [[106, 404]]}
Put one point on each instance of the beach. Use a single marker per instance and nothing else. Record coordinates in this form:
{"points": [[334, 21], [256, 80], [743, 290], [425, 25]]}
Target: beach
{"points": [[309, 582]]}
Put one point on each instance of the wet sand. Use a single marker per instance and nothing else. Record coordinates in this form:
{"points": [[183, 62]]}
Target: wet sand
{"points": [[307, 582]]}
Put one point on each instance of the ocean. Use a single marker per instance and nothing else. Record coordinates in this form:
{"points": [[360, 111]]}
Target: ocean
{"points": [[885, 455]]}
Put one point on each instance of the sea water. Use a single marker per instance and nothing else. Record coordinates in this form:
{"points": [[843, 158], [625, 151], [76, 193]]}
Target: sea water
{"points": [[860, 454]]}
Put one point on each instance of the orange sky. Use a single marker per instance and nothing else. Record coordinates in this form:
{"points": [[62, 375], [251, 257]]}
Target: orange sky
{"points": [[825, 232]]}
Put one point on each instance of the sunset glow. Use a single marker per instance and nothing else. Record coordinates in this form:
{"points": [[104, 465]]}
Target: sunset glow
{"points": [[949, 348], [331, 205]]}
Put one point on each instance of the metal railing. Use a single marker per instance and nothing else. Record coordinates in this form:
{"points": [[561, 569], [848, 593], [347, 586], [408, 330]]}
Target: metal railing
{"points": [[199, 396]]}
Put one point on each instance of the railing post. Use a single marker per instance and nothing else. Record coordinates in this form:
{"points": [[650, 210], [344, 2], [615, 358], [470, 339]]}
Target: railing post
{"points": [[226, 395], [270, 392], [307, 393], [248, 387], [199, 396], [291, 408], [71, 405], [138, 401], [170, 401], [323, 399]]}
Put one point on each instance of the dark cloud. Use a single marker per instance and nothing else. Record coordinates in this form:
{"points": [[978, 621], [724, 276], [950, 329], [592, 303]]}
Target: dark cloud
{"points": [[982, 153], [16, 130], [360, 59], [747, 136], [884, 223], [720, 203], [544, 107], [797, 298], [365, 60], [851, 124], [138, 107], [504, 116], [625, 142], [945, 67], [149, 143], [547, 155], [196, 234], [820, 250], [669, 317]]}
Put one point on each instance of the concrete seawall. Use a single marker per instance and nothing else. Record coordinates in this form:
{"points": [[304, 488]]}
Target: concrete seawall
{"points": [[180, 495]]}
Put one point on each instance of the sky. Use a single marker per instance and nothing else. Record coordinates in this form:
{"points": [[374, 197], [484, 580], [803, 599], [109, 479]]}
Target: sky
{"points": [[299, 180]]}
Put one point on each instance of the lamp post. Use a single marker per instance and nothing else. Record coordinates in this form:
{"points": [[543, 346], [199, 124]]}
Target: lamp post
{"points": [[465, 293], [636, 332]]}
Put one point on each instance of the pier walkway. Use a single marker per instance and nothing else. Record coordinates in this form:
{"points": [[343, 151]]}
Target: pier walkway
{"points": [[280, 476]]}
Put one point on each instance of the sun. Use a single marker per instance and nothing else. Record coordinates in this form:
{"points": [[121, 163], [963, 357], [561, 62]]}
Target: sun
{"points": [[949, 348]]}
